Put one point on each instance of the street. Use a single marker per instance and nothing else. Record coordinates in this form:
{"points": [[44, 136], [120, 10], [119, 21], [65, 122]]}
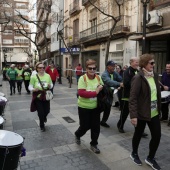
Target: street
{"points": [[55, 149]]}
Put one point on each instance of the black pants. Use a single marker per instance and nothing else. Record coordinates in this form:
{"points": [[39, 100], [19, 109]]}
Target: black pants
{"points": [[12, 85], [19, 85], [155, 129], [89, 119], [26, 82], [106, 114], [43, 108], [53, 86], [124, 114], [165, 110]]}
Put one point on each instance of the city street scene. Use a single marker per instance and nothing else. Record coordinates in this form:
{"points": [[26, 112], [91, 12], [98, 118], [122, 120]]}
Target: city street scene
{"points": [[84, 84]]}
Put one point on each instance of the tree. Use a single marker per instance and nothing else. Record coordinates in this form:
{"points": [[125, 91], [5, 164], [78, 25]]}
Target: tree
{"points": [[103, 9]]}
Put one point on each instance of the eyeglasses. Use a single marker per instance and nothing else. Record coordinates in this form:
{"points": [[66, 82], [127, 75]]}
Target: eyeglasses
{"points": [[92, 68], [152, 63], [41, 67]]}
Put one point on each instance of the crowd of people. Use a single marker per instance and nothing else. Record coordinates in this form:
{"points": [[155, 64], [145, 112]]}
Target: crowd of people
{"points": [[135, 90]]}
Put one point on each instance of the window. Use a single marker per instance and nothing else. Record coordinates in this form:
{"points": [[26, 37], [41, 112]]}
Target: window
{"points": [[25, 41], [66, 31], [7, 32], [94, 26], [7, 41]]}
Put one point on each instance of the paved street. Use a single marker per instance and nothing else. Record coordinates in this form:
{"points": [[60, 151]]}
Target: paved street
{"points": [[55, 149]]}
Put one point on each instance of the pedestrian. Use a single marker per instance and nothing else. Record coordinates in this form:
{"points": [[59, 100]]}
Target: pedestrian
{"points": [[113, 80], [52, 71], [39, 102], [26, 77], [11, 75], [78, 71], [19, 78], [69, 74], [59, 72], [128, 74], [89, 116], [144, 107], [165, 81]]}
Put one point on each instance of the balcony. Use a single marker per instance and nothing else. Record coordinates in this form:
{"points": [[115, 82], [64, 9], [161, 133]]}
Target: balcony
{"points": [[74, 7], [102, 30], [86, 2], [74, 41]]}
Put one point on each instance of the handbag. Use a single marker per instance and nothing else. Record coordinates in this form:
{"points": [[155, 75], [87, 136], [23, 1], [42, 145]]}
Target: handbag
{"points": [[48, 93]]}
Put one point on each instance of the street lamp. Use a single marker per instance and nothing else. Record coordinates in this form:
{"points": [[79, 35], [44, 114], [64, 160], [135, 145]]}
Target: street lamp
{"points": [[144, 2], [5, 56], [35, 56]]}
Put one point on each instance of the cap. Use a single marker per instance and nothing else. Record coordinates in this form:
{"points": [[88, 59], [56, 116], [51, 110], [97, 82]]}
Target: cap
{"points": [[12, 65], [110, 63], [26, 66]]}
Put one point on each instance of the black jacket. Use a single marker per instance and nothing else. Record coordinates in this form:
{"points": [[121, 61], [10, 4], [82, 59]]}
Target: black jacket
{"points": [[128, 74]]}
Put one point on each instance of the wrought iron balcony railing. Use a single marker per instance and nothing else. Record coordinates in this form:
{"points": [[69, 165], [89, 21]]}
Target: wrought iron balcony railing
{"points": [[74, 41], [85, 2], [74, 7], [103, 29]]}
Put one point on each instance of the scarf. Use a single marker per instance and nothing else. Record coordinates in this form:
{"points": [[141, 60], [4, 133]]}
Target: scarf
{"points": [[147, 74]]}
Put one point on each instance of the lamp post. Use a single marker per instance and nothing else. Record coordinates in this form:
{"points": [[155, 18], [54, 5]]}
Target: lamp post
{"points": [[144, 2], [35, 56]]}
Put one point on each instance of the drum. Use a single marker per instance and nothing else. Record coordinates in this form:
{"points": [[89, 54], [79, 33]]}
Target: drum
{"points": [[3, 102], [2, 94], [1, 122], [165, 96], [10, 149]]}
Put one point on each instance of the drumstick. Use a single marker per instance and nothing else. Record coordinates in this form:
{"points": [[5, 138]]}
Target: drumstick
{"points": [[161, 84]]}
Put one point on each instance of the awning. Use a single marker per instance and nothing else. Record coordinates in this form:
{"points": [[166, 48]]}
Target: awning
{"points": [[150, 35]]}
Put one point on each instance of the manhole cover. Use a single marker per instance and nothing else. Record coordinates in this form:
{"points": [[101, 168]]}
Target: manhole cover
{"points": [[68, 119]]}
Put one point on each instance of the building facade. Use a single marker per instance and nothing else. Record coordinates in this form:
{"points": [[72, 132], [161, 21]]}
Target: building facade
{"points": [[14, 45]]}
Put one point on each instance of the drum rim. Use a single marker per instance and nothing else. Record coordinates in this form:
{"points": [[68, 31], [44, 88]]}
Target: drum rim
{"points": [[12, 145]]}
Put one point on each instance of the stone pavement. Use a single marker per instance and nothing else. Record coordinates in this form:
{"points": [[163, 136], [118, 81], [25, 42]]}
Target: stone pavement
{"points": [[55, 149]]}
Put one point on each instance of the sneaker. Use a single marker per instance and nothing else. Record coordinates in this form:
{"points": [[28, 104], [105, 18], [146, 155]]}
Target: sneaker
{"points": [[43, 129], [95, 149], [152, 163], [104, 124], [135, 159], [77, 140]]}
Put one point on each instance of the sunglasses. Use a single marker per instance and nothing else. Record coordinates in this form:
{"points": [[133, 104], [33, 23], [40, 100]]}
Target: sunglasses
{"points": [[41, 67], [152, 63], [92, 68]]}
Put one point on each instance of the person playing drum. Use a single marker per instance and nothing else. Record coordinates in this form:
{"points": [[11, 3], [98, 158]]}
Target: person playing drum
{"points": [[166, 87]]}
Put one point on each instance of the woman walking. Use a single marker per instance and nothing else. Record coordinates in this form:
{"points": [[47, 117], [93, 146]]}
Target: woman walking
{"points": [[144, 108], [11, 76], [39, 101], [89, 85], [19, 78]]}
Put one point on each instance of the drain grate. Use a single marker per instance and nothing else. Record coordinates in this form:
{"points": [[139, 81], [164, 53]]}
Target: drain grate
{"points": [[68, 119]]}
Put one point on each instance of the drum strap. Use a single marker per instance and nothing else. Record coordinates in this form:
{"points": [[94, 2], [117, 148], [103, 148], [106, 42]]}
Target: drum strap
{"points": [[6, 152]]}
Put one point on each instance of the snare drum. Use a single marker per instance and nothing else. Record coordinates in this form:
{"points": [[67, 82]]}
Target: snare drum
{"points": [[165, 96], [1, 122], [10, 149]]}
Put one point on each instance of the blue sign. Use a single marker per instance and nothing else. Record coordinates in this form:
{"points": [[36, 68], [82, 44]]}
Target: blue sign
{"points": [[73, 50]]}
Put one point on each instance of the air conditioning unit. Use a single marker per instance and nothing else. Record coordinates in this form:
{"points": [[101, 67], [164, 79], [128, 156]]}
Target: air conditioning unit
{"points": [[154, 18]]}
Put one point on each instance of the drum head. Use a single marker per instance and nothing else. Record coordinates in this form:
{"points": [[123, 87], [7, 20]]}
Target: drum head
{"points": [[3, 98], [1, 120], [2, 94], [165, 94], [8, 138]]}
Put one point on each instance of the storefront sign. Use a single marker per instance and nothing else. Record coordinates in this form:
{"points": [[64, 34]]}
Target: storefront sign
{"points": [[72, 50]]}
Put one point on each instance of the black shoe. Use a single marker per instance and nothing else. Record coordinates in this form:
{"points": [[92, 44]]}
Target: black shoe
{"points": [[152, 163], [43, 129], [144, 135], [116, 104], [135, 159], [10, 94], [95, 149], [45, 120], [77, 140], [104, 124], [121, 130]]}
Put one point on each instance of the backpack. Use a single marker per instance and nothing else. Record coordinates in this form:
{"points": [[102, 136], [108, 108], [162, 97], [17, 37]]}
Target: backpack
{"points": [[104, 97]]}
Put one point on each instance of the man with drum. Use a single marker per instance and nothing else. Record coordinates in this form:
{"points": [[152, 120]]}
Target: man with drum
{"points": [[165, 87]]}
